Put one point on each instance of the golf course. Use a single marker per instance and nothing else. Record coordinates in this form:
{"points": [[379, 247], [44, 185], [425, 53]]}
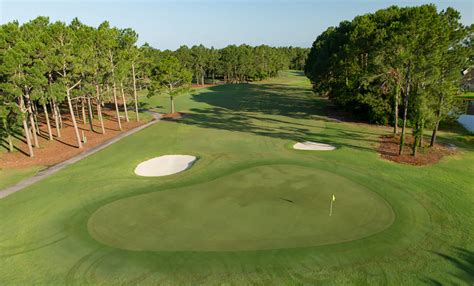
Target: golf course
{"points": [[250, 209]]}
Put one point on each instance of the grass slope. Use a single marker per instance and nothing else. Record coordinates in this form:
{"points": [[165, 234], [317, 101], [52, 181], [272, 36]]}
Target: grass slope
{"points": [[240, 133], [264, 207]]}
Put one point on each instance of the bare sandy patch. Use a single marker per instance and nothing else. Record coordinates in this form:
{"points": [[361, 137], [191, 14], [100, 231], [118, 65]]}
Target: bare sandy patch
{"points": [[313, 146], [164, 165]]}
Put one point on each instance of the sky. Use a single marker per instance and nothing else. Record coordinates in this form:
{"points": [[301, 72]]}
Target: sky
{"points": [[170, 24]]}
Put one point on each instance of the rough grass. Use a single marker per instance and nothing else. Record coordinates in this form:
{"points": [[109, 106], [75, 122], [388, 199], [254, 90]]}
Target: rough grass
{"points": [[10, 177], [234, 129]]}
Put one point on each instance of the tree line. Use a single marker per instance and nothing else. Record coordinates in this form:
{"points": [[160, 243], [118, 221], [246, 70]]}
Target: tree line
{"points": [[52, 71], [45, 66], [396, 62], [171, 72], [232, 64]]}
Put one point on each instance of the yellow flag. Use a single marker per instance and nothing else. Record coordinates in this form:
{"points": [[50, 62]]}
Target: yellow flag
{"points": [[333, 198]]}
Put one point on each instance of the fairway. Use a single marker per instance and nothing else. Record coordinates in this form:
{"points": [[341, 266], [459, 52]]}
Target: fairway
{"points": [[251, 209], [290, 202]]}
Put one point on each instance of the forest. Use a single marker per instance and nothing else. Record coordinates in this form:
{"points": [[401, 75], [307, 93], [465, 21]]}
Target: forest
{"points": [[52, 72], [232, 64], [399, 66]]}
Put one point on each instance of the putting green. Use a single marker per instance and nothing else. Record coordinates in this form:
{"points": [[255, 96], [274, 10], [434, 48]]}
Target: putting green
{"points": [[263, 207]]}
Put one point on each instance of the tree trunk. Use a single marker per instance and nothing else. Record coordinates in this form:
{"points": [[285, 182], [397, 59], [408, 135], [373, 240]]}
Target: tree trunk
{"points": [[172, 104], [99, 109], [77, 107], [395, 119], [54, 108], [135, 92], [415, 145], [46, 114], [32, 121], [61, 125], [438, 119], [73, 118], [202, 76], [124, 102], [405, 109], [83, 110], [422, 133], [10, 143], [25, 127], [435, 133], [35, 117], [114, 89], [9, 136], [418, 140], [89, 113]]}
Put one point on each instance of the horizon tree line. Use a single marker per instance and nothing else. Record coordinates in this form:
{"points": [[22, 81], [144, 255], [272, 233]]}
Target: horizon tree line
{"points": [[231, 64]]}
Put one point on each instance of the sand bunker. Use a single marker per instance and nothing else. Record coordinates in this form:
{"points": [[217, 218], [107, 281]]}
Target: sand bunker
{"points": [[164, 165], [308, 145]]}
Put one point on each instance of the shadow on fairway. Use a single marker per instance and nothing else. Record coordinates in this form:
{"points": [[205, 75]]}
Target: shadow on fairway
{"points": [[142, 106], [270, 99], [463, 260], [252, 109]]}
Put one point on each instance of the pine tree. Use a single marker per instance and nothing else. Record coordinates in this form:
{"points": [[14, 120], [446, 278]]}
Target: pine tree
{"points": [[169, 76]]}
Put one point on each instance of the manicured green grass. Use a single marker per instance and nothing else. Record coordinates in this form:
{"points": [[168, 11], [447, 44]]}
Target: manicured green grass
{"points": [[291, 203], [96, 222], [12, 176]]}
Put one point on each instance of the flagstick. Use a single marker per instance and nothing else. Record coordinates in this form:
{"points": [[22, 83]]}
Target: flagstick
{"points": [[330, 210]]}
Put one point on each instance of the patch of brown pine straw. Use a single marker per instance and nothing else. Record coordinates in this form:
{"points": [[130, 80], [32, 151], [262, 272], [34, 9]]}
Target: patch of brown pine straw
{"points": [[389, 146], [173, 116], [60, 149]]}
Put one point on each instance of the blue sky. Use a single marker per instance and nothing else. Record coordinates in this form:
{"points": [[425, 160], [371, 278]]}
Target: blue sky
{"points": [[169, 24]]}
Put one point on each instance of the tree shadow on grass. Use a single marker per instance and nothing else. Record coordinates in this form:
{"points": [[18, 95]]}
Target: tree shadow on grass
{"points": [[146, 106], [270, 99], [463, 260], [219, 118], [248, 107]]}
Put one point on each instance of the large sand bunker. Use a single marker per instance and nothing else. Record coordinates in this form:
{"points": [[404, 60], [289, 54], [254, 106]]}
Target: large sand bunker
{"points": [[164, 165], [308, 145]]}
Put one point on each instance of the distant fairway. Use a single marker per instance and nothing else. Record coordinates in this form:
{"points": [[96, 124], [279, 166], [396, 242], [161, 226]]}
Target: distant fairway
{"points": [[251, 210], [265, 207]]}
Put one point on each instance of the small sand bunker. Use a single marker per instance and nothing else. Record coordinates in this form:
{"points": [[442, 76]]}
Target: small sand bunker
{"points": [[308, 145], [164, 165]]}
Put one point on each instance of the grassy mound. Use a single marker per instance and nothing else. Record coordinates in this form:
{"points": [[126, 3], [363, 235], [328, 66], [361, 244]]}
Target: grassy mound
{"points": [[266, 207]]}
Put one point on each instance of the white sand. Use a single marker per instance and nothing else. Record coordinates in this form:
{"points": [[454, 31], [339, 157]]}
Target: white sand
{"points": [[308, 145], [164, 165]]}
